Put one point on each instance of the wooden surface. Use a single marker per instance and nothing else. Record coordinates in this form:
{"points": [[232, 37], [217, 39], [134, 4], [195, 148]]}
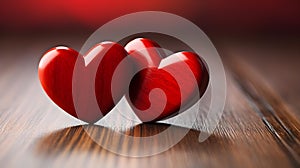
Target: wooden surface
{"points": [[259, 126]]}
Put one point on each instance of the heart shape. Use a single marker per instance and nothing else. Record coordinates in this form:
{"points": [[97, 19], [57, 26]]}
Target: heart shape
{"points": [[181, 79], [56, 70]]}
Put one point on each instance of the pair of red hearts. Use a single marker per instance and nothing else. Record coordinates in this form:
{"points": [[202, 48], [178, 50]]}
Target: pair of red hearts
{"points": [[179, 77]]}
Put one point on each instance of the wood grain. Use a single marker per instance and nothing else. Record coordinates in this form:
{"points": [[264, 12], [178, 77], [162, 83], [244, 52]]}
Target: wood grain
{"points": [[257, 128]]}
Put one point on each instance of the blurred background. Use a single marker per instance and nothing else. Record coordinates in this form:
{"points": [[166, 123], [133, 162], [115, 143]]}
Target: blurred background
{"points": [[214, 16]]}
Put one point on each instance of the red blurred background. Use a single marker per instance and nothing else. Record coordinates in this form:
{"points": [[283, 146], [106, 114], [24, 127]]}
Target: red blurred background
{"points": [[213, 16]]}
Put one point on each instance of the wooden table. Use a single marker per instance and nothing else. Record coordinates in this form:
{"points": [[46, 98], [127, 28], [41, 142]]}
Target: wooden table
{"points": [[259, 126]]}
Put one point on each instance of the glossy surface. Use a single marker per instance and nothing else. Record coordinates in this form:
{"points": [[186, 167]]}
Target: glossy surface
{"points": [[56, 76], [145, 52], [181, 79]]}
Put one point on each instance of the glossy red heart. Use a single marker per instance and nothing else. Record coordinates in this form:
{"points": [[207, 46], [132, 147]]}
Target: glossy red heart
{"points": [[181, 79], [57, 76]]}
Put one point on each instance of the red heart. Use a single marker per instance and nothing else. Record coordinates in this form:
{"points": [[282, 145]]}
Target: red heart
{"points": [[56, 70], [182, 70]]}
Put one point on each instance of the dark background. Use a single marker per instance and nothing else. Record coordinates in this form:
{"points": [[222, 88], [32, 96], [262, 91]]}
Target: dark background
{"points": [[213, 16]]}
